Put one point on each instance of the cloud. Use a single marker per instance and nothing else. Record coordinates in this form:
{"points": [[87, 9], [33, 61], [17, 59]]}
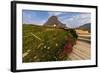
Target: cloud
{"points": [[76, 20], [28, 17], [34, 17], [54, 13]]}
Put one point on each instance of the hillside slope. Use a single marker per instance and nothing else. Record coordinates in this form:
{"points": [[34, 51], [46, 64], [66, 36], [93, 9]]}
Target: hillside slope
{"points": [[43, 43]]}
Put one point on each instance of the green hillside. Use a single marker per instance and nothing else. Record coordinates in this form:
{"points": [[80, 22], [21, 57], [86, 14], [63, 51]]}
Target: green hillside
{"points": [[44, 43]]}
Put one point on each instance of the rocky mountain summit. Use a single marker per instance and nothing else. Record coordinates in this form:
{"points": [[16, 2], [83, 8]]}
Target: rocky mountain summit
{"points": [[54, 22]]}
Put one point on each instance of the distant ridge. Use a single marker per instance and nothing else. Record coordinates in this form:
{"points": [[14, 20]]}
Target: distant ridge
{"points": [[86, 26]]}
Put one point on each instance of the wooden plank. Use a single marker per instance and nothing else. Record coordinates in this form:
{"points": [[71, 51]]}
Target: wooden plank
{"points": [[81, 51]]}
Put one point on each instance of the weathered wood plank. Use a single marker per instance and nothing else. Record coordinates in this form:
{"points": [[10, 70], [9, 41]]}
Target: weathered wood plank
{"points": [[81, 51]]}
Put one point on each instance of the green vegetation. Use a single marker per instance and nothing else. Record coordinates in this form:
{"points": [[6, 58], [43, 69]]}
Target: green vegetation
{"points": [[44, 43], [73, 33]]}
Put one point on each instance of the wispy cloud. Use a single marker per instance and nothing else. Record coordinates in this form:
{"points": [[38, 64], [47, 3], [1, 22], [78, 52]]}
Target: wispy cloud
{"points": [[76, 20], [54, 13], [34, 17]]}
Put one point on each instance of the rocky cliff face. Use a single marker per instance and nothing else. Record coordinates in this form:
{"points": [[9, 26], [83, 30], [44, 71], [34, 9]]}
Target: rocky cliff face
{"points": [[54, 22]]}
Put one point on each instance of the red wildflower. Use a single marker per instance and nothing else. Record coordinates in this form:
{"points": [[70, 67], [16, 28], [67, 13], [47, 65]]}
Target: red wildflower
{"points": [[68, 48]]}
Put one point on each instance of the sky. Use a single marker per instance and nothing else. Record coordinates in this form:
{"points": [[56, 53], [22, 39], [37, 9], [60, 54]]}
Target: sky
{"points": [[71, 19]]}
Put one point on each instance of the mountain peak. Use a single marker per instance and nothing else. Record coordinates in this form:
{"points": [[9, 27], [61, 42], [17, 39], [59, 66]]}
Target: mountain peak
{"points": [[54, 22]]}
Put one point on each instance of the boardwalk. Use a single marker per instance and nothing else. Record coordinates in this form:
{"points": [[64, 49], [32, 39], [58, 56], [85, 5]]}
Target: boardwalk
{"points": [[82, 50]]}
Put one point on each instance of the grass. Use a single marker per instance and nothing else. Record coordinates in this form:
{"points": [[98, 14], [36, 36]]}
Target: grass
{"points": [[43, 43]]}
